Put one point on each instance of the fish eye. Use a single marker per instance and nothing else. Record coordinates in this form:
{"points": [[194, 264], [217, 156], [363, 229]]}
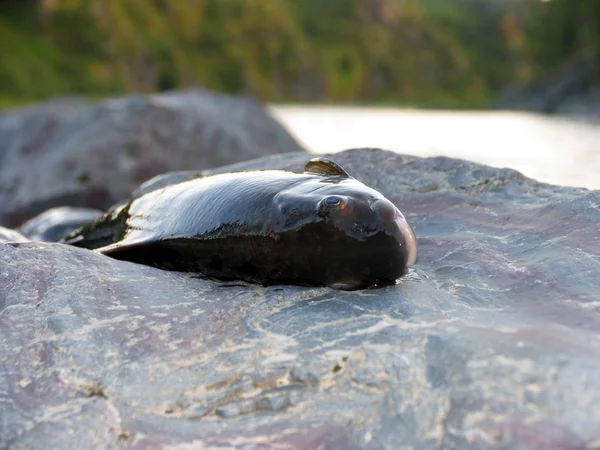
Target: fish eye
{"points": [[333, 201], [332, 204]]}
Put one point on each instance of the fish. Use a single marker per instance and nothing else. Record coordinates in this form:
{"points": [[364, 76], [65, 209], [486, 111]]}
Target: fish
{"points": [[321, 227]]}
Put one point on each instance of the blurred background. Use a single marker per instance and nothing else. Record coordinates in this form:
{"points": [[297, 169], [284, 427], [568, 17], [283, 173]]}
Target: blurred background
{"points": [[426, 77]]}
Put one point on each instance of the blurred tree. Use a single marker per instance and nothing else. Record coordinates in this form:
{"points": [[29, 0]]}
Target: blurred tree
{"points": [[432, 52], [560, 29]]}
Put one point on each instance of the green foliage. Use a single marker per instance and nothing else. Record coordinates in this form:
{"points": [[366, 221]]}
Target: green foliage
{"points": [[562, 28], [429, 52]]}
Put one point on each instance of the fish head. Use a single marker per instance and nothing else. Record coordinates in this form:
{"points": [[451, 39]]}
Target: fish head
{"points": [[345, 223]]}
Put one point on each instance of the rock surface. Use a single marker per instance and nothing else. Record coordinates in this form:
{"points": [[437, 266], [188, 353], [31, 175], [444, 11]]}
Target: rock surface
{"points": [[57, 223], [71, 153], [491, 341]]}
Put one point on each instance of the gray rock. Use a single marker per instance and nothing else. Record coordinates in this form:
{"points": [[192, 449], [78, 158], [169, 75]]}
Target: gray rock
{"points": [[490, 342], [57, 223], [72, 154], [584, 105], [569, 90]]}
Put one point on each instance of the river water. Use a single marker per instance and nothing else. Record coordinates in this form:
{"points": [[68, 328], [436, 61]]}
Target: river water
{"points": [[550, 149]]}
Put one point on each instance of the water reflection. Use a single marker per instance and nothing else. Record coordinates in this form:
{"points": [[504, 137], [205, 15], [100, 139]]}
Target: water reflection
{"points": [[550, 149]]}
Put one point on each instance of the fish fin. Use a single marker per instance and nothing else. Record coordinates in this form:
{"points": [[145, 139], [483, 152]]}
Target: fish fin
{"points": [[324, 166], [119, 246], [359, 285], [349, 285], [71, 241]]}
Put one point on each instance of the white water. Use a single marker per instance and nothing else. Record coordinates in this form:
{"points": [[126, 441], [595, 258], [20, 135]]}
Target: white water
{"points": [[550, 149]]}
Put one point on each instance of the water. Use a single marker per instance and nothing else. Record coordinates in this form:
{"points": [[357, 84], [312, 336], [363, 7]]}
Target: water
{"points": [[555, 150]]}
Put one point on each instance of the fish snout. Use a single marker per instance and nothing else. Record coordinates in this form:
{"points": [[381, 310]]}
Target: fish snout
{"points": [[396, 225], [385, 210]]}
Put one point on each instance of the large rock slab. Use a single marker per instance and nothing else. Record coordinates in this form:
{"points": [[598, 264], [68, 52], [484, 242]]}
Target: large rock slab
{"points": [[70, 153], [491, 341]]}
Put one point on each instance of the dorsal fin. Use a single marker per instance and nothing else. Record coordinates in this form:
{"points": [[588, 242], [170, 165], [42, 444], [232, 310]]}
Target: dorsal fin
{"points": [[324, 166]]}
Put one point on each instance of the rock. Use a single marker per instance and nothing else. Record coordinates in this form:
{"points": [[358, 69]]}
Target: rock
{"points": [[584, 105], [571, 90], [93, 155], [57, 223], [491, 342], [8, 235]]}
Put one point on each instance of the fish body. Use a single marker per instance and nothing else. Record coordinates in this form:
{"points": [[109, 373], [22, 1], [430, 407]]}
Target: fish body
{"points": [[320, 227]]}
